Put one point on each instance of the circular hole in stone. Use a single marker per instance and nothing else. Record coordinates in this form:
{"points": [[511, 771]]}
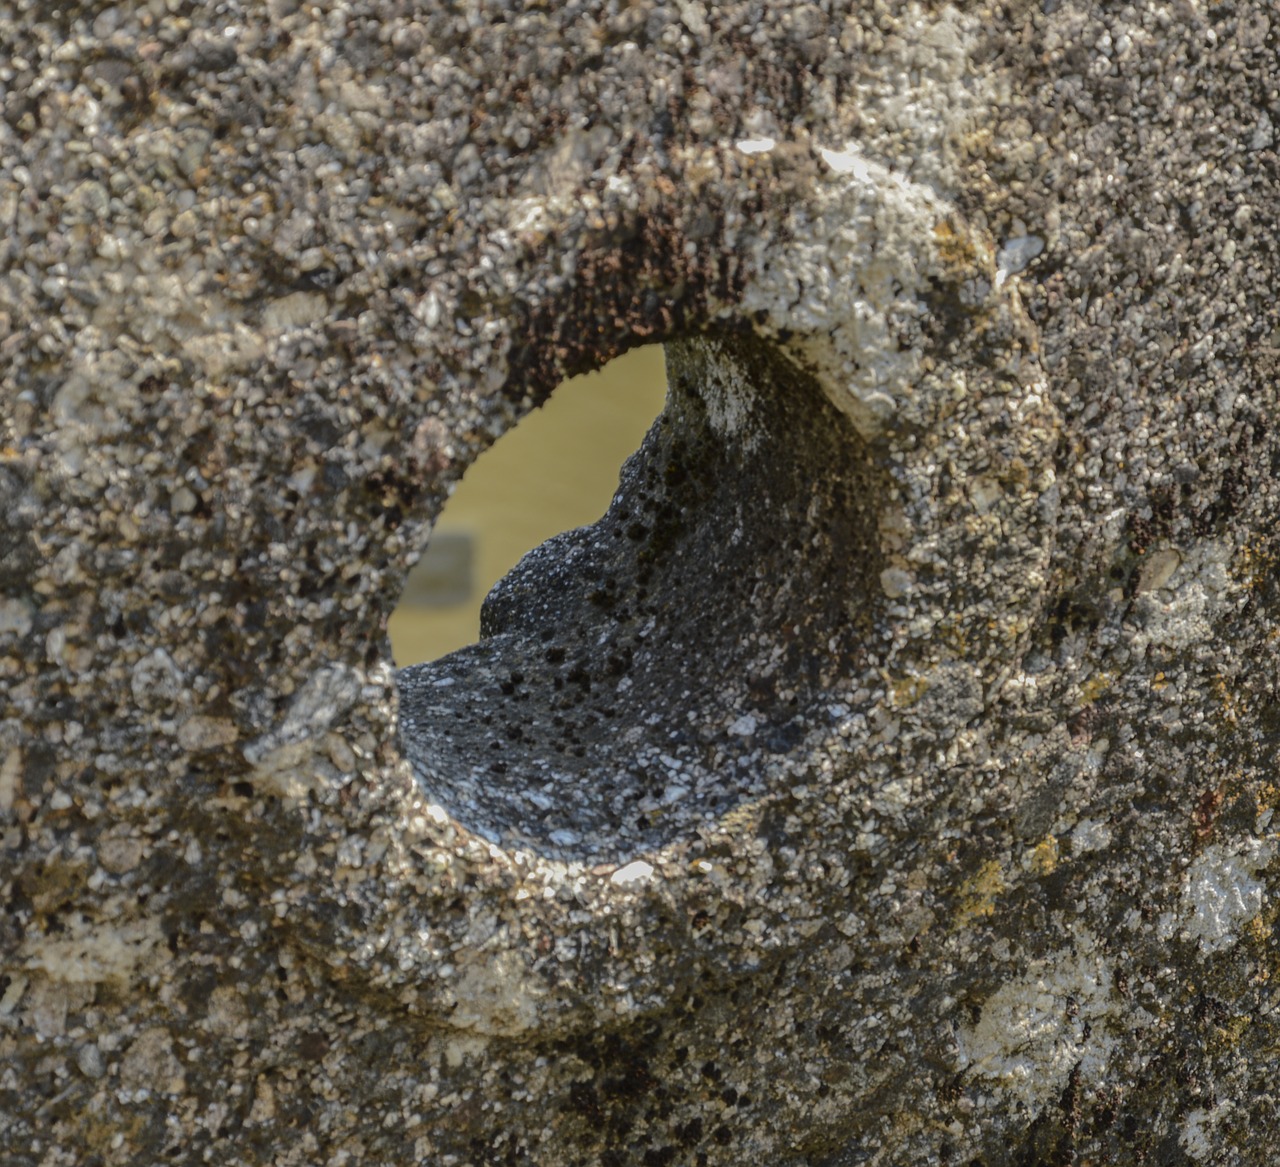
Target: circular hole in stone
{"points": [[648, 673]]}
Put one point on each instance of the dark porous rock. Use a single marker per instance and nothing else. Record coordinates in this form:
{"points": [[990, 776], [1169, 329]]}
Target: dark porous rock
{"points": [[887, 778]]}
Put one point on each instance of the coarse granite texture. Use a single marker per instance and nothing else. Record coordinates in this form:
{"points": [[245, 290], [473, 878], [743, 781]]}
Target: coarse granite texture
{"points": [[888, 778]]}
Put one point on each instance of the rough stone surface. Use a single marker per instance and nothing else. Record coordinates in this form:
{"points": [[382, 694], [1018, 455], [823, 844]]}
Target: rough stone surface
{"points": [[888, 777]]}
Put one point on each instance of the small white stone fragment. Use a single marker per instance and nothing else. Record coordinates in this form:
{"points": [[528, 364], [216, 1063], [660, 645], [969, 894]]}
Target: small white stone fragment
{"points": [[745, 726], [1035, 1030], [1014, 256], [1197, 1137], [693, 15], [495, 996], [635, 872], [755, 145], [200, 732], [1184, 610], [896, 582], [847, 162], [1090, 835], [13, 994], [1157, 569], [15, 616], [1263, 133], [151, 1065], [1221, 895], [185, 224], [55, 645], [10, 778], [91, 952], [294, 310], [90, 1061]]}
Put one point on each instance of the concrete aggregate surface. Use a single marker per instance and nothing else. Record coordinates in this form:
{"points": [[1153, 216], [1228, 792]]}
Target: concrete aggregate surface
{"points": [[887, 778]]}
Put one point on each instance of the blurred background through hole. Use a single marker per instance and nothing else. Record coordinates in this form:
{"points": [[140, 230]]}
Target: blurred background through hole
{"points": [[558, 469]]}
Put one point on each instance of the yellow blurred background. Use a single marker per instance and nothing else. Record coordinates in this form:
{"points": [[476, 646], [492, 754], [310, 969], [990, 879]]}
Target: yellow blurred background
{"points": [[556, 470]]}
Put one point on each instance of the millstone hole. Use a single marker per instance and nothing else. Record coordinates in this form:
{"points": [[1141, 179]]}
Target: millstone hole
{"points": [[644, 674]]}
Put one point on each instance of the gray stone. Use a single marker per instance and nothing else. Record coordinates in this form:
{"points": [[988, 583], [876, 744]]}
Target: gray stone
{"points": [[888, 777]]}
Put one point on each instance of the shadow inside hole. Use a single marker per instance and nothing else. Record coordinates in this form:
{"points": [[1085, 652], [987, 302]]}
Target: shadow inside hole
{"points": [[642, 675]]}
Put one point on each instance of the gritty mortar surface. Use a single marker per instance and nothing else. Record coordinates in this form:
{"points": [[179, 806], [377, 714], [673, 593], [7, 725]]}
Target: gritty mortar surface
{"points": [[887, 778]]}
